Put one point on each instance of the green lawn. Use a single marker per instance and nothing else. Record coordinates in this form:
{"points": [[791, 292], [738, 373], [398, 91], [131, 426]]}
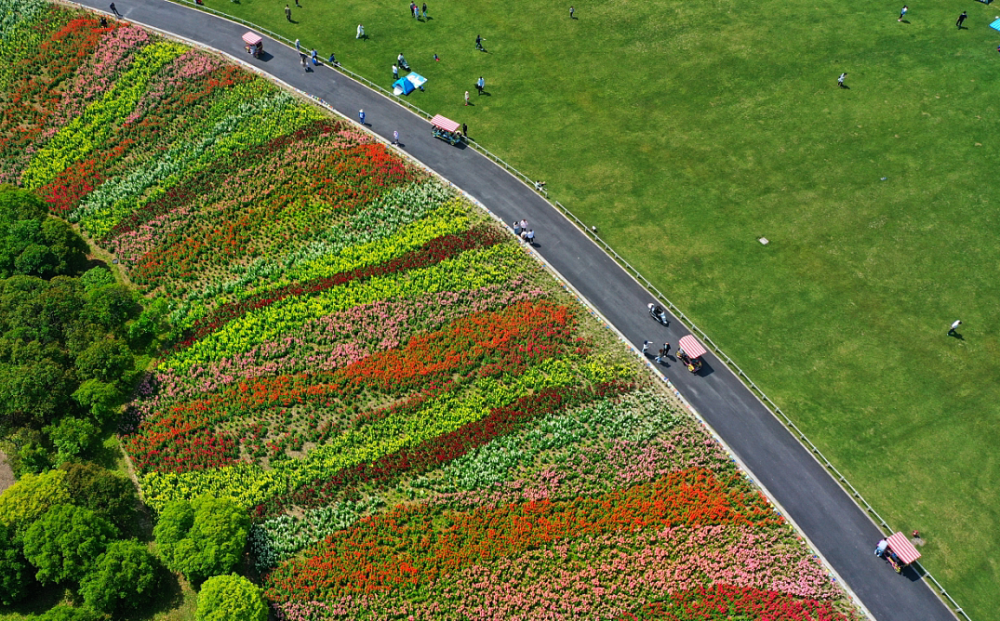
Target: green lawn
{"points": [[685, 130]]}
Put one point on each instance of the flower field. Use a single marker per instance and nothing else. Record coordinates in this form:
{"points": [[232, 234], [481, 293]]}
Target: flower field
{"points": [[422, 424]]}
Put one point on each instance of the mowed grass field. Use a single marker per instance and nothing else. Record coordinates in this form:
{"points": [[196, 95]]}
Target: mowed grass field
{"points": [[686, 130]]}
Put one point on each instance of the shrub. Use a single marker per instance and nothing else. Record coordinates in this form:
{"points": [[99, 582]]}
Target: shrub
{"points": [[63, 612], [203, 538], [230, 598], [125, 576], [65, 542]]}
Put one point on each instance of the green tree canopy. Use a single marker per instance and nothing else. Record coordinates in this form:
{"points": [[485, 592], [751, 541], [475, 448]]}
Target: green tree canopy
{"points": [[64, 612], [124, 577], [65, 542], [203, 538], [27, 500], [230, 598], [33, 243], [15, 572], [108, 494]]}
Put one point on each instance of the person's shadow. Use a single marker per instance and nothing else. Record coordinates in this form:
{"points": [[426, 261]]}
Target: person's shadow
{"points": [[956, 335], [904, 21], [845, 87]]}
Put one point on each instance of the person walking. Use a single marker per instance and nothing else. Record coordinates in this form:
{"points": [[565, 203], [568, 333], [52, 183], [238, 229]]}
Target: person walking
{"points": [[903, 13], [465, 130], [315, 58], [288, 13], [961, 19], [298, 47], [530, 237], [395, 137], [395, 73], [114, 10], [361, 115], [666, 349], [480, 84], [361, 32], [571, 12], [479, 43], [302, 59], [840, 80], [660, 356], [645, 348], [954, 327], [425, 11], [466, 97]]}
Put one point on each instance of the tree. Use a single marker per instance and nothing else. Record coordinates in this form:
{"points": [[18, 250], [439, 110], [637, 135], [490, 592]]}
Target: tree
{"points": [[203, 538], [27, 500], [230, 598], [124, 577], [72, 437], [111, 306], [33, 243], [102, 399], [108, 494], [107, 360], [95, 278], [65, 542], [15, 573]]}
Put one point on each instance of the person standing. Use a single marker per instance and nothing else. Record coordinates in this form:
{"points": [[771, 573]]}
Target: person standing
{"points": [[114, 10], [645, 348], [302, 59], [903, 13], [961, 19], [530, 237], [395, 73], [571, 12], [660, 356], [288, 13], [840, 80], [954, 327], [524, 224], [480, 84], [517, 228], [425, 11], [361, 115], [666, 349], [479, 44], [395, 137], [466, 97], [298, 47], [361, 32], [315, 58], [465, 130]]}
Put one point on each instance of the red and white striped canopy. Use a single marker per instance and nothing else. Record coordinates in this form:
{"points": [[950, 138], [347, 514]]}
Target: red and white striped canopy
{"points": [[252, 38], [899, 544], [692, 347], [446, 124]]}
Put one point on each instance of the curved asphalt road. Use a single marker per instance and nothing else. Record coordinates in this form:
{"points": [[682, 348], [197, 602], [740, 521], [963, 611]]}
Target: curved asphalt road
{"points": [[837, 527]]}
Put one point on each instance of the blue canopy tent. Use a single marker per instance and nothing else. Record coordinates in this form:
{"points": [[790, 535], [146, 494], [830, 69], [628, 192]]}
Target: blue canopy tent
{"points": [[405, 86]]}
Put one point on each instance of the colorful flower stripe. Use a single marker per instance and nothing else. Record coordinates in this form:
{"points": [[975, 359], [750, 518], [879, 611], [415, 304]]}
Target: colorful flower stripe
{"points": [[410, 546], [601, 577], [378, 219], [88, 131], [29, 105], [522, 333], [246, 485], [431, 252], [439, 450], [724, 602], [472, 269], [332, 341]]}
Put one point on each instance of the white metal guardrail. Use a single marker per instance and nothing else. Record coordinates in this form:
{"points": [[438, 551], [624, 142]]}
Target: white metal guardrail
{"points": [[782, 417]]}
